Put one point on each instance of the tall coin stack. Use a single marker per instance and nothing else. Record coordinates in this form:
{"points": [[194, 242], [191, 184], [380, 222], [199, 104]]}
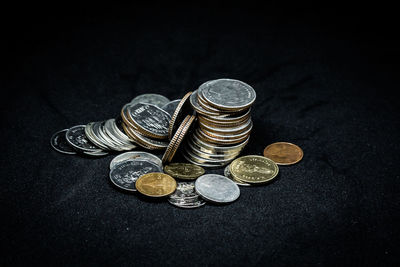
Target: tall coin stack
{"points": [[224, 122]]}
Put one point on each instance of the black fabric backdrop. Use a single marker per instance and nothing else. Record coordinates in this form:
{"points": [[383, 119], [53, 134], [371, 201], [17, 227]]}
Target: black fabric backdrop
{"points": [[324, 81]]}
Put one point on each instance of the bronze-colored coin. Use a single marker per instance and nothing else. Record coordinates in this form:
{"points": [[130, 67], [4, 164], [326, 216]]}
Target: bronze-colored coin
{"points": [[167, 152], [155, 184], [182, 110], [182, 135], [284, 153], [184, 171], [147, 142], [253, 169]]}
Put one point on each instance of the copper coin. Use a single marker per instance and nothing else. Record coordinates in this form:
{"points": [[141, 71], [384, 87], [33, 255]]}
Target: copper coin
{"points": [[283, 153]]}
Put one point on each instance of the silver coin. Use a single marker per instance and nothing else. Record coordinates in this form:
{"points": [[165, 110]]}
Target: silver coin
{"points": [[217, 188], [196, 106], [92, 136], [228, 94], [114, 145], [95, 154], [60, 144], [151, 119], [125, 174], [117, 125], [184, 190], [76, 137], [227, 173], [154, 99], [171, 106], [135, 155], [110, 129], [188, 205]]}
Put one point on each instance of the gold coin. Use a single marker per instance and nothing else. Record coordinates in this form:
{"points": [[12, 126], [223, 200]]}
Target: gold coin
{"points": [[184, 171], [253, 169], [284, 153], [156, 184]]}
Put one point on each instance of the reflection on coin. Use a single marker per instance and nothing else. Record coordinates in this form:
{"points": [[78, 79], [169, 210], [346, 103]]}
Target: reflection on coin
{"points": [[171, 106], [76, 137], [154, 99], [156, 184], [182, 110], [184, 170], [253, 169], [283, 153], [227, 173], [125, 174], [217, 188], [135, 155], [185, 196], [187, 204], [60, 144]]}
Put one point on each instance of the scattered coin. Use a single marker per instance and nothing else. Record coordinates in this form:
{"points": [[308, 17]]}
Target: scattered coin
{"points": [[185, 196], [217, 188], [185, 171], [227, 173], [170, 107], [135, 155], [156, 184], [253, 169], [154, 99], [59, 142], [283, 153], [125, 174], [76, 137]]}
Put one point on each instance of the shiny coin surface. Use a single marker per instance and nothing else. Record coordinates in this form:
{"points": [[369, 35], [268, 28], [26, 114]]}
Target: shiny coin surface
{"points": [[150, 120], [171, 106], [184, 204], [227, 173], [167, 153], [59, 142], [254, 169], [217, 188], [135, 155], [284, 153], [76, 137], [154, 99], [185, 196], [228, 94], [182, 110], [184, 171], [156, 184], [125, 174]]}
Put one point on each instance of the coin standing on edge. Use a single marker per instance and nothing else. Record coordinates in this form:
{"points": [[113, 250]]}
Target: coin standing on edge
{"points": [[59, 143], [217, 188], [156, 184], [185, 171], [283, 153]]}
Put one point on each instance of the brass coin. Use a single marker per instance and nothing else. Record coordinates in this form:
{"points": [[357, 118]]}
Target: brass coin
{"points": [[284, 153], [155, 184], [184, 171], [253, 169], [167, 152]]}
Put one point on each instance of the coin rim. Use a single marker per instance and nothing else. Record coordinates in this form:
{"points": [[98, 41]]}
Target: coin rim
{"points": [[156, 196], [59, 150], [285, 164]]}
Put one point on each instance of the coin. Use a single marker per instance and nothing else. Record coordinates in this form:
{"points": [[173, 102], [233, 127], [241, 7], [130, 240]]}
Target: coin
{"points": [[150, 120], [181, 137], [89, 131], [227, 173], [283, 153], [185, 196], [217, 188], [196, 106], [179, 115], [254, 169], [167, 152], [76, 137], [154, 99], [125, 174], [184, 171], [170, 107], [60, 144], [135, 155], [156, 184], [188, 205], [228, 94]]}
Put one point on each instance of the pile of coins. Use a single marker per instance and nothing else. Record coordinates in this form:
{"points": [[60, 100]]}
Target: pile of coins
{"points": [[224, 122]]}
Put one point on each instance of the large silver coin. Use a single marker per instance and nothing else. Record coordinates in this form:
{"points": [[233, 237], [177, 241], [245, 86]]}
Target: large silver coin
{"points": [[76, 137], [171, 106], [217, 188], [228, 174], [151, 119], [154, 99], [60, 144], [125, 174], [135, 155], [228, 94]]}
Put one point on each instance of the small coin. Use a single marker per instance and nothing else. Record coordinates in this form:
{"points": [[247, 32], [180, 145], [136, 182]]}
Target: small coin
{"points": [[217, 188], [135, 155], [284, 153], [76, 137], [184, 171], [125, 174], [60, 144], [253, 169], [154, 99], [156, 184], [170, 107], [184, 190], [187, 204], [227, 173], [182, 110]]}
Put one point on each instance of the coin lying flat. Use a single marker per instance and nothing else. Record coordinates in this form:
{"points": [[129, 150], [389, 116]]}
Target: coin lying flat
{"points": [[227, 173], [76, 137], [60, 144], [154, 99], [217, 188], [125, 174], [185, 196], [184, 171], [284, 153], [253, 169], [170, 107], [135, 155], [156, 184]]}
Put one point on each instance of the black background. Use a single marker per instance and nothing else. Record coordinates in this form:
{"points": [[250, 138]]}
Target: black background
{"points": [[326, 79]]}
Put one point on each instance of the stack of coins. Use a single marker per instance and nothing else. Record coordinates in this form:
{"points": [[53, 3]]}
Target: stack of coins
{"points": [[224, 122]]}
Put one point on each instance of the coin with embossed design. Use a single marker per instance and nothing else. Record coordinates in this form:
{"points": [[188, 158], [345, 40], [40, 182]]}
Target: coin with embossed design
{"points": [[283, 153], [254, 169], [217, 188], [156, 184], [184, 171], [154, 99], [76, 137], [60, 144], [132, 155]]}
